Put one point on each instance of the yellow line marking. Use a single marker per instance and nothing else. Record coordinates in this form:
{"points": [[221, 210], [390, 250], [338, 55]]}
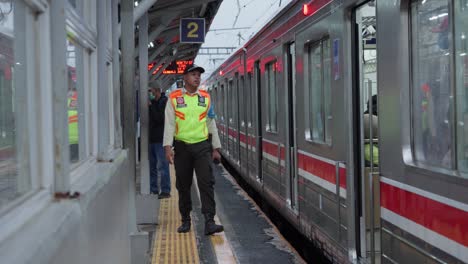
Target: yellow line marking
{"points": [[223, 250], [170, 246], [222, 247]]}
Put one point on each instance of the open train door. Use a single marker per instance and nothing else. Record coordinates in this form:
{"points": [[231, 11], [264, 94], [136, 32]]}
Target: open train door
{"points": [[291, 145], [366, 133]]}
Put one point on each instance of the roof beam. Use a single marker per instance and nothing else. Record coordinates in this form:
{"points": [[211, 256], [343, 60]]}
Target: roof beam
{"points": [[161, 29], [142, 8], [177, 5], [158, 51]]}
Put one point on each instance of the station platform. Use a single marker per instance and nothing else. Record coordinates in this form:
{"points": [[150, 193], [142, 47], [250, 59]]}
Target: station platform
{"points": [[248, 237]]}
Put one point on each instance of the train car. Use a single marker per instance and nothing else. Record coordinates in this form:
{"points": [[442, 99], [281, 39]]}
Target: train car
{"points": [[349, 117]]}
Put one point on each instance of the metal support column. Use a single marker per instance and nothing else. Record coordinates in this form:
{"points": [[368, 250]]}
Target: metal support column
{"points": [[128, 95], [116, 74], [144, 120], [59, 95], [103, 87]]}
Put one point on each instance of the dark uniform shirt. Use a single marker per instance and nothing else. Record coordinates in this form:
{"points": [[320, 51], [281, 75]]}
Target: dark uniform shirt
{"points": [[156, 119]]}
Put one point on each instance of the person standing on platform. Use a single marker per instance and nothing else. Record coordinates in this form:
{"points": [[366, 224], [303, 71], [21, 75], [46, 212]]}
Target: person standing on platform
{"points": [[159, 165], [189, 121]]}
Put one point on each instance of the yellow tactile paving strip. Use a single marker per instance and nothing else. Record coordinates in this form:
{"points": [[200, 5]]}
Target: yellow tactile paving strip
{"points": [[170, 246]]}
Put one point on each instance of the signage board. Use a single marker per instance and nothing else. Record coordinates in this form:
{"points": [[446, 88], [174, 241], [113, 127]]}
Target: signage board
{"points": [[192, 30]]}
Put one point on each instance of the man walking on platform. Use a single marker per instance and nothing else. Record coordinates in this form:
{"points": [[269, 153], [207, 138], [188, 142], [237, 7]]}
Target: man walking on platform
{"points": [[158, 163], [187, 120]]}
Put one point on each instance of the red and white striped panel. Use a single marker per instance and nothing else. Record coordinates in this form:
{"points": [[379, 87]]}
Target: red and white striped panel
{"points": [[316, 169], [321, 171], [440, 221]]}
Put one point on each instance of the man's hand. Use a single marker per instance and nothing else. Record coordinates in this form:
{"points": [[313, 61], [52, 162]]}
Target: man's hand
{"points": [[216, 156], [169, 154]]}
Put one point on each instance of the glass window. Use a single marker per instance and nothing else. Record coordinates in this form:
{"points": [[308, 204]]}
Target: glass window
{"points": [[231, 102], [432, 120], [74, 87], [235, 112], [319, 100], [221, 108], [14, 169], [251, 99], [272, 97], [461, 78], [241, 100]]}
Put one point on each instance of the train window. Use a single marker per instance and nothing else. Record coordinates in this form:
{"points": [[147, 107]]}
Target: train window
{"points": [[319, 100], [235, 108], [74, 97], [461, 79], [16, 45], [272, 97], [251, 97], [432, 122], [231, 107], [241, 101], [221, 103]]}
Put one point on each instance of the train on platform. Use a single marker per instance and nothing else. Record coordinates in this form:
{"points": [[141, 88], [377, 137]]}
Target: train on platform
{"points": [[349, 118]]}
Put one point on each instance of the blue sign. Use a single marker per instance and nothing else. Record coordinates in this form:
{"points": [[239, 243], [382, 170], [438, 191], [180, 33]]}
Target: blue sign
{"points": [[336, 59], [192, 30]]}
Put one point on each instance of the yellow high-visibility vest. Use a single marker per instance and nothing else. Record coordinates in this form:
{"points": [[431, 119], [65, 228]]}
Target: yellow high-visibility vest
{"points": [[73, 136], [190, 115]]}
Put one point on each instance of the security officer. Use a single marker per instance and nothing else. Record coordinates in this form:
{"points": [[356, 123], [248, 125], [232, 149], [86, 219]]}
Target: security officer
{"points": [[189, 122], [73, 136]]}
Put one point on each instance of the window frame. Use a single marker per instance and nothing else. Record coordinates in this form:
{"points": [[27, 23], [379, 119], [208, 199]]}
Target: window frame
{"points": [[84, 37], [273, 64], [411, 161], [26, 119], [327, 133]]}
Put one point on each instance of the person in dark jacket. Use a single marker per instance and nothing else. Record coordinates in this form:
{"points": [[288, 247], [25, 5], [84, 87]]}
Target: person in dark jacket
{"points": [[159, 166]]}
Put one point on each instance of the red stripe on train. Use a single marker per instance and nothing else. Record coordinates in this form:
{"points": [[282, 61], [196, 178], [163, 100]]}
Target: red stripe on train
{"points": [[321, 169], [441, 218], [314, 166]]}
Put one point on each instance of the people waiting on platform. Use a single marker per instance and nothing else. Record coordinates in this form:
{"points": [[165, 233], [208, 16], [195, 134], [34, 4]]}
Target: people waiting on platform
{"points": [[159, 166]]}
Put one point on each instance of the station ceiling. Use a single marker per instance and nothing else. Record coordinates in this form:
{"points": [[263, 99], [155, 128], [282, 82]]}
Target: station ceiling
{"points": [[164, 36]]}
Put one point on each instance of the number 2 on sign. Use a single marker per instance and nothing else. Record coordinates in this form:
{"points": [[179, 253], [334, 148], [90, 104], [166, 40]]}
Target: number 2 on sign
{"points": [[193, 28]]}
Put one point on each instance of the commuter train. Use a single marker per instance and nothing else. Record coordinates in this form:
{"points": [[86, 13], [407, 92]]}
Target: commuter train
{"points": [[349, 117]]}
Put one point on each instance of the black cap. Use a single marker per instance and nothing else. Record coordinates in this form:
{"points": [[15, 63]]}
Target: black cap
{"points": [[194, 67]]}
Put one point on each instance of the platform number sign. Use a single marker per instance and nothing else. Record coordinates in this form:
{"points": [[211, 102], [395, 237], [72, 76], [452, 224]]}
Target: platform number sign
{"points": [[192, 30]]}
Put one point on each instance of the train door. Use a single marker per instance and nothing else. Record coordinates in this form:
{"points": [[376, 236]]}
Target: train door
{"points": [[236, 113], [251, 110], [258, 121], [243, 106], [291, 155], [226, 118], [230, 119], [367, 160]]}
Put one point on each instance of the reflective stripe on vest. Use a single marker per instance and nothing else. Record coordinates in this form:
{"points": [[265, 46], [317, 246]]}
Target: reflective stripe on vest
{"points": [[73, 136], [190, 115]]}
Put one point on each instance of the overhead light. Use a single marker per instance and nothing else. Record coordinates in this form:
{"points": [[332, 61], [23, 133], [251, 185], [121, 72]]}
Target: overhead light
{"points": [[136, 3], [424, 1], [463, 54]]}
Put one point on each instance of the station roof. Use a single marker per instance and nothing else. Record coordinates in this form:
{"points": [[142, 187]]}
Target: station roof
{"points": [[165, 48]]}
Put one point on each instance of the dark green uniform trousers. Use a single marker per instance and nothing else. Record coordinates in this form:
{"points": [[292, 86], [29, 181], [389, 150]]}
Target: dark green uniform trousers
{"points": [[187, 158]]}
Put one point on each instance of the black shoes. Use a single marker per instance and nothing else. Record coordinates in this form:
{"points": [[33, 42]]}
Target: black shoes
{"points": [[211, 227], [184, 228], [164, 195]]}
